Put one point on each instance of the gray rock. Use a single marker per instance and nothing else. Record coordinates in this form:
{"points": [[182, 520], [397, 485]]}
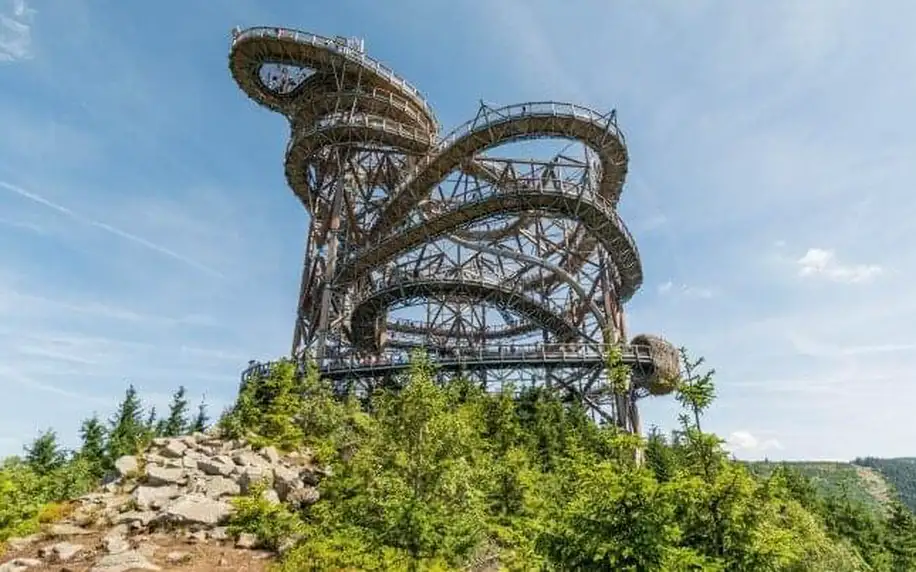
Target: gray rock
{"points": [[60, 552], [189, 461], [246, 541], [154, 497], [143, 518], [174, 449], [303, 497], [127, 465], [20, 564], [271, 496], [163, 476], [215, 468], [115, 544], [216, 487], [64, 530], [250, 476], [271, 454], [249, 459], [124, 561], [197, 509], [218, 533], [310, 477], [285, 480]]}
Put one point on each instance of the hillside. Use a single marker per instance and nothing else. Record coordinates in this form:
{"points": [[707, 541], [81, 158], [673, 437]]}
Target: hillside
{"points": [[862, 484], [900, 473], [426, 477]]}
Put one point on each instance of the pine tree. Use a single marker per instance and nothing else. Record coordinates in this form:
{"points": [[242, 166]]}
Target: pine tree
{"points": [[92, 434], [177, 422], [901, 537], [201, 419], [45, 454], [128, 430]]}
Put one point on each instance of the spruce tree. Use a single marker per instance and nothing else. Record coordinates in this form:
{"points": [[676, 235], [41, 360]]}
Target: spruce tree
{"points": [[201, 419], [128, 430], [901, 537], [45, 454], [177, 421], [92, 450]]}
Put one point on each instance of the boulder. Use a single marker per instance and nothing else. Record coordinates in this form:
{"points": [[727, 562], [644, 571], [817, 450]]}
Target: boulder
{"points": [[20, 564], [211, 466], [124, 561], [60, 552], [127, 465], [197, 509], [157, 476], [174, 449], [303, 497], [154, 497]]}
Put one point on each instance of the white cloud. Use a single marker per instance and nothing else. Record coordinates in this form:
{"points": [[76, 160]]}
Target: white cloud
{"points": [[823, 263], [743, 442], [15, 31]]}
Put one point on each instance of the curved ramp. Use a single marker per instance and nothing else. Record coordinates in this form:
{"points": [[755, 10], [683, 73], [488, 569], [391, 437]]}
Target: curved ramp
{"points": [[256, 46], [507, 124], [370, 307], [598, 216]]}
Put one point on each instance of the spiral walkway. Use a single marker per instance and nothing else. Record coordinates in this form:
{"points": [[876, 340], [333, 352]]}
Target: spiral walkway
{"points": [[496, 252]]}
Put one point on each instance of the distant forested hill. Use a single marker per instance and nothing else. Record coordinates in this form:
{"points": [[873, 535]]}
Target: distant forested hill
{"points": [[899, 473], [862, 483]]}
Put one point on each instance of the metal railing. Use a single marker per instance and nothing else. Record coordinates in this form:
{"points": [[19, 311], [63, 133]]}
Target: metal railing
{"points": [[373, 122], [383, 96], [533, 186], [346, 51], [493, 356]]}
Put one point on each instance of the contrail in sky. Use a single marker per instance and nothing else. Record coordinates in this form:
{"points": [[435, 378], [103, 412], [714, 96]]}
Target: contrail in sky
{"points": [[110, 229]]}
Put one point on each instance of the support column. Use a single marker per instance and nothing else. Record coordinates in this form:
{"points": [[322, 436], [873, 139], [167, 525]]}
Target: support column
{"points": [[612, 310], [331, 262], [299, 333]]}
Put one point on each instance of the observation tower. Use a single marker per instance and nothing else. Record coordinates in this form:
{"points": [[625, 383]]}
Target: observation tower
{"points": [[503, 269]]}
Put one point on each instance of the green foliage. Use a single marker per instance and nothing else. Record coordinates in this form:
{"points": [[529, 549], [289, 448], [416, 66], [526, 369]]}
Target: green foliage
{"points": [[271, 523], [431, 477], [176, 423], [201, 420], [900, 474], [93, 448], [44, 455], [267, 409], [828, 478], [35, 489], [128, 430]]}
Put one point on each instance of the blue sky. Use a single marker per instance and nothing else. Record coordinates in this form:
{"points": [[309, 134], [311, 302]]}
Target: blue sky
{"points": [[147, 233]]}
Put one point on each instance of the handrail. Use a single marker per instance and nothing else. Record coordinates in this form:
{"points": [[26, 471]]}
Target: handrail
{"points": [[346, 51], [564, 188], [547, 353], [377, 122], [378, 94], [507, 113]]}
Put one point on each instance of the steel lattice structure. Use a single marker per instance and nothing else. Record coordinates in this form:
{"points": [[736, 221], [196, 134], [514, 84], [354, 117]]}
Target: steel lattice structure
{"points": [[503, 269]]}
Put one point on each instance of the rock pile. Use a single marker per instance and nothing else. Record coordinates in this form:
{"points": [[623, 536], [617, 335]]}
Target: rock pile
{"points": [[178, 489]]}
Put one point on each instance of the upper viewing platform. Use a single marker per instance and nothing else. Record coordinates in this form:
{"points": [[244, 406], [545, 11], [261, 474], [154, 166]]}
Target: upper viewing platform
{"points": [[316, 57]]}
